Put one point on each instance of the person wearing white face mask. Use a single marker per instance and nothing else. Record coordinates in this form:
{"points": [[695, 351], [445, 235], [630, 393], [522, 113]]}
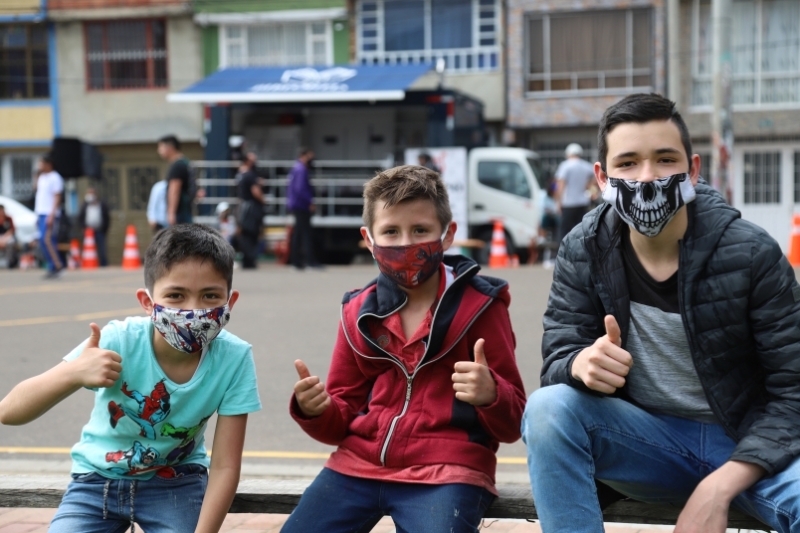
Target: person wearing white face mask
{"points": [[94, 214]]}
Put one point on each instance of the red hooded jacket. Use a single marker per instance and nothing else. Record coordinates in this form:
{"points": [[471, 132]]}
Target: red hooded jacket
{"points": [[396, 418]]}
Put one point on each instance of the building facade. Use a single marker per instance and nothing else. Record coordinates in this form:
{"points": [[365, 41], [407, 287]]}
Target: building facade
{"points": [[117, 61], [765, 94], [569, 60], [29, 93]]}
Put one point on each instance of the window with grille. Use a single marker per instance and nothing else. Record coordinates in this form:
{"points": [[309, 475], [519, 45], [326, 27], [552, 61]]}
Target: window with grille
{"points": [[24, 63], [22, 176], [127, 54], [463, 33], [108, 189], [765, 52], [589, 52], [140, 181], [288, 44], [762, 177]]}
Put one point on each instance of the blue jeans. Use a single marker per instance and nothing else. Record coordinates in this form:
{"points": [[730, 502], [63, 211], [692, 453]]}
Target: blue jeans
{"points": [[95, 504], [335, 503], [574, 438], [48, 243]]}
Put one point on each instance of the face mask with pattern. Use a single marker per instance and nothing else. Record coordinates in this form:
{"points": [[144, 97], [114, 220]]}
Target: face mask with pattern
{"points": [[189, 330], [410, 265], [649, 206]]}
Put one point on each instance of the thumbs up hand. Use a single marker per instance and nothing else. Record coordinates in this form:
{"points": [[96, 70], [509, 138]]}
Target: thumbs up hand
{"points": [[310, 392], [472, 381], [96, 367], [604, 365]]}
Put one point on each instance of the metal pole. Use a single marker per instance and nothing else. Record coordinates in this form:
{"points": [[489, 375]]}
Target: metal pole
{"points": [[674, 51], [721, 118]]}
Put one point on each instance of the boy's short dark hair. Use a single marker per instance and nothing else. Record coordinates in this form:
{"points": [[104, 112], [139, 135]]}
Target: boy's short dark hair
{"points": [[405, 183], [641, 108], [183, 242], [47, 158], [170, 140]]}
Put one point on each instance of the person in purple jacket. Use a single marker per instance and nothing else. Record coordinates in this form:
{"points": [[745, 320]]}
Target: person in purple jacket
{"points": [[300, 202]]}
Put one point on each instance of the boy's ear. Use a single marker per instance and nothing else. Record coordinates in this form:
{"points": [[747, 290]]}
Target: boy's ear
{"points": [[232, 300], [366, 238], [600, 176], [450, 235], [144, 300]]}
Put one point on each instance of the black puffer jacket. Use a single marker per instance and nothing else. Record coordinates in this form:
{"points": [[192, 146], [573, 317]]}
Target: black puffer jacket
{"points": [[740, 305]]}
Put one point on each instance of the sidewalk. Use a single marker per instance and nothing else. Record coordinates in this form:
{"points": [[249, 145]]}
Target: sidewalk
{"points": [[36, 521]]}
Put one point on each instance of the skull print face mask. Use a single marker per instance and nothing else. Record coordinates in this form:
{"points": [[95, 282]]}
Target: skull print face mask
{"points": [[649, 206], [189, 330]]}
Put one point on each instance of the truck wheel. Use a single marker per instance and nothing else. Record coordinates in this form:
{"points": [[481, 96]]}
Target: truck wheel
{"points": [[481, 255]]}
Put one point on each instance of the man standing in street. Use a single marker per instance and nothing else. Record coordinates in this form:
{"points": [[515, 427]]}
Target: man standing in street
{"points": [[671, 370], [179, 190], [94, 214], [49, 191], [300, 201], [574, 176], [251, 210]]}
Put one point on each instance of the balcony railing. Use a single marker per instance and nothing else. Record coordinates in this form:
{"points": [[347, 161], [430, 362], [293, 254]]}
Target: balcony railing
{"points": [[477, 59]]}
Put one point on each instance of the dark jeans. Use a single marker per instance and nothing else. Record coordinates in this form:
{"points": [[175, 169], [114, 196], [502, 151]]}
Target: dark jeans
{"points": [[302, 251], [100, 242], [248, 244], [48, 243], [571, 217], [335, 503]]}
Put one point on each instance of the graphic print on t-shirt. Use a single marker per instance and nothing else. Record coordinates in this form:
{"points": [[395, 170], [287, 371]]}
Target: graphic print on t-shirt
{"points": [[150, 409]]}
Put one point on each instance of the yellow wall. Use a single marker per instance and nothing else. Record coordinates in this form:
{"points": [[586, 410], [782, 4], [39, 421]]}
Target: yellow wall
{"points": [[26, 123], [20, 7]]}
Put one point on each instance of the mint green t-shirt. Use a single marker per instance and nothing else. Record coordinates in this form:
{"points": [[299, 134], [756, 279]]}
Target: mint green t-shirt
{"points": [[145, 422]]}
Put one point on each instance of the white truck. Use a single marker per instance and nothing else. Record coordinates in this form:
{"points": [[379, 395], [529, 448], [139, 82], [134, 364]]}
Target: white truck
{"points": [[484, 185]]}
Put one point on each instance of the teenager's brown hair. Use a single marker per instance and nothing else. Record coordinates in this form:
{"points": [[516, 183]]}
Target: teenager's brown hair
{"points": [[405, 183]]}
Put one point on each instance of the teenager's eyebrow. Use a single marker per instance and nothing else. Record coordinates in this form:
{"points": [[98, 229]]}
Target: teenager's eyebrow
{"points": [[660, 151]]}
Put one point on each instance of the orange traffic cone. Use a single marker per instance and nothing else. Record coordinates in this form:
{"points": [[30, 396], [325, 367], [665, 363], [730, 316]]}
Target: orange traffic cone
{"points": [[794, 242], [74, 255], [498, 256], [130, 256], [89, 259]]}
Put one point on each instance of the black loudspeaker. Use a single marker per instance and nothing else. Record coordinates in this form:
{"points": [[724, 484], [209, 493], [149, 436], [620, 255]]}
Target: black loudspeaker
{"points": [[67, 156]]}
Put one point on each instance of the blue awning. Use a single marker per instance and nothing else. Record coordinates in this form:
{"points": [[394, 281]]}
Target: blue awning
{"points": [[346, 83]]}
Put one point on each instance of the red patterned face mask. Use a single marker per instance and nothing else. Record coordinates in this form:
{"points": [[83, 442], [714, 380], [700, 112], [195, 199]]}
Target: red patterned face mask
{"points": [[411, 265]]}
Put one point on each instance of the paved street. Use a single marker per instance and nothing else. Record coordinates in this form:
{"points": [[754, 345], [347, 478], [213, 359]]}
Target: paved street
{"points": [[282, 313]]}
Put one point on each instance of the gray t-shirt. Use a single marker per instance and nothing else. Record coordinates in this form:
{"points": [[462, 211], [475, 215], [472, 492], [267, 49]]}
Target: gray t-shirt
{"points": [[663, 378], [576, 175]]}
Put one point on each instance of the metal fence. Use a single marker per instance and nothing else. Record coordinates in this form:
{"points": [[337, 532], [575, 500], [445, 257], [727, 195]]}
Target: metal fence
{"points": [[338, 187]]}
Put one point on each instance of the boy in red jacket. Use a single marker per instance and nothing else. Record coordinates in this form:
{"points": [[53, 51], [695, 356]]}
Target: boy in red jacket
{"points": [[423, 385]]}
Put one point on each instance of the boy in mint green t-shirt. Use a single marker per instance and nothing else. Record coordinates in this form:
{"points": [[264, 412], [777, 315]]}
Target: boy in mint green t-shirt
{"points": [[158, 379]]}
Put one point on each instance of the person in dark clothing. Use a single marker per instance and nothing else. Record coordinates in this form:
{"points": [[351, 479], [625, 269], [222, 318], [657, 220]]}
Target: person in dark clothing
{"points": [[671, 371], [8, 243], [300, 202], [94, 214], [251, 210], [179, 187]]}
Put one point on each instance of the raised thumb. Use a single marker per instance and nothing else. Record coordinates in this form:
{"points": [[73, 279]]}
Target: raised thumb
{"points": [[94, 338], [302, 369], [480, 355], [612, 330]]}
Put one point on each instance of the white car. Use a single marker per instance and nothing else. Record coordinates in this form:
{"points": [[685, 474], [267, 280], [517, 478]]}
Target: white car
{"points": [[24, 220]]}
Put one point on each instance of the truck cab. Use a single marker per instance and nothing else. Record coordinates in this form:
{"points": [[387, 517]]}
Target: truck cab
{"points": [[503, 184]]}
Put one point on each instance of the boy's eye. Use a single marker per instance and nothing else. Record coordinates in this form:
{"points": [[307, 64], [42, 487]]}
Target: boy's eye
{"points": [[625, 164]]}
